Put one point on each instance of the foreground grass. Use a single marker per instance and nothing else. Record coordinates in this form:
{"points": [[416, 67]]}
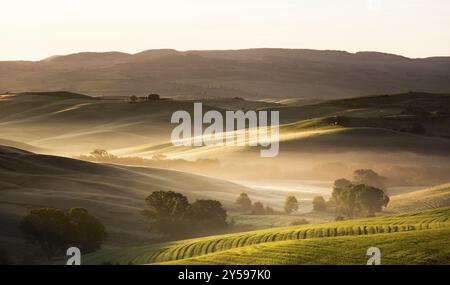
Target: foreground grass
{"points": [[409, 248], [386, 225]]}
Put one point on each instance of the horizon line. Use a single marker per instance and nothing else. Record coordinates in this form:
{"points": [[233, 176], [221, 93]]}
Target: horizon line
{"points": [[233, 49]]}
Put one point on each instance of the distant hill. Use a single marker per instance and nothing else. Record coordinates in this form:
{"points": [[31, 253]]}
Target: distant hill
{"points": [[251, 73], [431, 198]]}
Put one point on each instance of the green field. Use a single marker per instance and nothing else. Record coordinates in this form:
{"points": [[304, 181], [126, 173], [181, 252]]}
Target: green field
{"points": [[406, 248], [414, 227]]}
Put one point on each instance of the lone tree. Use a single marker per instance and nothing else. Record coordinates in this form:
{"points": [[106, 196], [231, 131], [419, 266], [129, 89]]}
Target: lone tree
{"points": [[55, 230], [258, 209], [243, 202], [319, 204], [291, 204]]}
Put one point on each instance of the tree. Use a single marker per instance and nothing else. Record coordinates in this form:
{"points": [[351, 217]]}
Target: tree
{"points": [[319, 204], [258, 209], [341, 183], [171, 214], [359, 199], [370, 178], [168, 212], [89, 232], [269, 211], [153, 97], [101, 153], [243, 202], [345, 199], [49, 228], [208, 214], [291, 204], [133, 99], [55, 230], [370, 199]]}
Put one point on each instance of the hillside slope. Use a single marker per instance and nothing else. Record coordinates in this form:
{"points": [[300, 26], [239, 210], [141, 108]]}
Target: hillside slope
{"points": [[396, 249], [431, 198], [386, 225], [113, 193], [251, 73]]}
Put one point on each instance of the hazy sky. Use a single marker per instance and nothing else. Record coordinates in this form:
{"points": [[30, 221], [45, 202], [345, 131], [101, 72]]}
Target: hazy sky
{"points": [[32, 29]]}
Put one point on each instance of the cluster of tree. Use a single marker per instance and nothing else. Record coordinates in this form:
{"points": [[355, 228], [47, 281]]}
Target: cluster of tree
{"points": [[54, 230], [171, 214], [351, 199], [244, 204], [151, 97], [159, 160], [367, 181]]}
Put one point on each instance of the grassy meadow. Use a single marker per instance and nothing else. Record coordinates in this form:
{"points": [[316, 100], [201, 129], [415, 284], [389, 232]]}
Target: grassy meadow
{"points": [[416, 227]]}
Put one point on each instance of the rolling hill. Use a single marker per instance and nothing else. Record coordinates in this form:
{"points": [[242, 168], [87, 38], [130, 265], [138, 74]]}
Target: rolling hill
{"points": [[281, 245], [431, 198], [365, 129], [115, 194], [252, 73], [396, 249]]}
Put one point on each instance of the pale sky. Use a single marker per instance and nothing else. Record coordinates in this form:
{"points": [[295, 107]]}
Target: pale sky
{"points": [[33, 30]]}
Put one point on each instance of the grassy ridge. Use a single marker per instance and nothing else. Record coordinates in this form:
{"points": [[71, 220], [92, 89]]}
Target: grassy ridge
{"points": [[431, 198], [433, 219], [416, 247]]}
